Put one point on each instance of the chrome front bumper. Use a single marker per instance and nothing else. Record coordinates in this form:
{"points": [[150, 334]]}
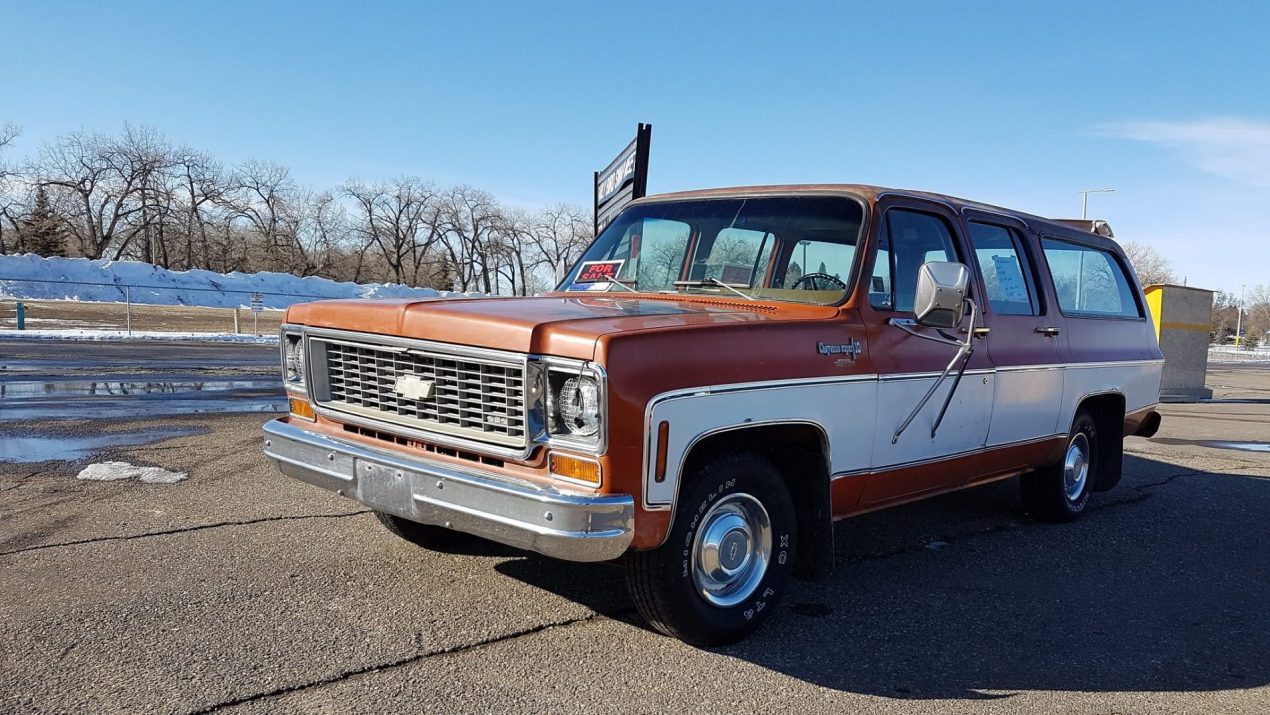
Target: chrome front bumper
{"points": [[565, 525]]}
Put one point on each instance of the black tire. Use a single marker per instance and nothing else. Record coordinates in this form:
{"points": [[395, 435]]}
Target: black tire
{"points": [[429, 536], [1045, 491], [662, 581]]}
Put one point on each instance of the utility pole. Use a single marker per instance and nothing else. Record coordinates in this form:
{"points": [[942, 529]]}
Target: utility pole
{"points": [[1239, 319], [1084, 213]]}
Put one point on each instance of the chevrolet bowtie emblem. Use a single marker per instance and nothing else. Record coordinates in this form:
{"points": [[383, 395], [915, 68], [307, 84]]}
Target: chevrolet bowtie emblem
{"points": [[413, 387]]}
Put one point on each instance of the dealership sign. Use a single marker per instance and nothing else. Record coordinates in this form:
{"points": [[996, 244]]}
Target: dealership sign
{"points": [[623, 180]]}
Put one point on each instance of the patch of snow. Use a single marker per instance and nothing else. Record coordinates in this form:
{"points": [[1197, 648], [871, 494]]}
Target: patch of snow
{"points": [[112, 471], [1245, 446], [97, 335], [33, 277]]}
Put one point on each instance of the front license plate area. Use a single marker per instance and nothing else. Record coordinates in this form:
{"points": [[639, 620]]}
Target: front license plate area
{"points": [[384, 488]]}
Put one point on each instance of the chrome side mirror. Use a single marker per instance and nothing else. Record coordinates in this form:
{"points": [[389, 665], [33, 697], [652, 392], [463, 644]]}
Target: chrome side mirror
{"points": [[940, 298]]}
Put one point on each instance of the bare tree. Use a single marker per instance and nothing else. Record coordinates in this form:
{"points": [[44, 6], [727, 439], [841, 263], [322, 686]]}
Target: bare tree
{"points": [[471, 219], [8, 132], [320, 230], [399, 220], [511, 247], [10, 204], [559, 235], [1257, 311], [202, 187], [264, 196], [100, 186], [133, 194], [1150, 265], [146, 155]]}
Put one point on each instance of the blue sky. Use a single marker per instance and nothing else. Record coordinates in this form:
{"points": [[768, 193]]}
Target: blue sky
{"points": [[1020, 104]]}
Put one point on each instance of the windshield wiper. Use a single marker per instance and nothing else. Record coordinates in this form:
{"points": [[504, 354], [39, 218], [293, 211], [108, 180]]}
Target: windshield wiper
{"points": [[623, 285], [711, 280]]}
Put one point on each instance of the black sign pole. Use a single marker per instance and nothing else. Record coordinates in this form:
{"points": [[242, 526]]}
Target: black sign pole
{"points": [[643, 142], [623, 180]]}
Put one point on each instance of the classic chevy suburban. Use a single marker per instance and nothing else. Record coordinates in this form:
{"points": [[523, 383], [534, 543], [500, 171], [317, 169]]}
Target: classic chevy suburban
{"points": [[721, 376]]}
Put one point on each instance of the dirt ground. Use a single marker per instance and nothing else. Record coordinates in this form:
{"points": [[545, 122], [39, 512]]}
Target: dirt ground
{"points": [[67, 314]]}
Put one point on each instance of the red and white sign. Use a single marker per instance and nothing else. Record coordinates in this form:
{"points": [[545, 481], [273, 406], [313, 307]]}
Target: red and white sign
{"points": [[599, 271]]}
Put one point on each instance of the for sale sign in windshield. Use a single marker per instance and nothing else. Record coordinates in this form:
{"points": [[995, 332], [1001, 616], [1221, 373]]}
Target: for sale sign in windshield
{"points": [[598, 271], [623, 180]]}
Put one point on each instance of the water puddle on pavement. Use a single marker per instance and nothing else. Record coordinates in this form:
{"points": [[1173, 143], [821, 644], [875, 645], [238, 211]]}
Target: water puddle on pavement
{"points": [[70, 448], [101, 399]]}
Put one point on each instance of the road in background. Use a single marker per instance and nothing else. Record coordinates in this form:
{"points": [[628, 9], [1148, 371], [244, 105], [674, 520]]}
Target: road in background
{"points": [[54, 359], [239, 590]]}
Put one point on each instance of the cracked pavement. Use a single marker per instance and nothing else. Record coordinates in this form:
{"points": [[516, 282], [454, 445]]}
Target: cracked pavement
{"points": [[241, 591]]}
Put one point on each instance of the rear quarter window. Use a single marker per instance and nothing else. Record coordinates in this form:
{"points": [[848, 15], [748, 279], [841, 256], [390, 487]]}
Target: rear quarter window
{"points": [[1089, 281]]}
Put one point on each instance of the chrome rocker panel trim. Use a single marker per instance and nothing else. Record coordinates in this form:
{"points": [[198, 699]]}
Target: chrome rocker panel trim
{"points": [[573, 527]]}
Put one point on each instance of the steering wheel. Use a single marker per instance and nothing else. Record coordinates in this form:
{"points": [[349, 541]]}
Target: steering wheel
{"points": [[811, 278]]}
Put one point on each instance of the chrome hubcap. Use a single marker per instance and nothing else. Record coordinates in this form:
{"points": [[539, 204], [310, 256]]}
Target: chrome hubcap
{"points": [[1076, 466], [732, 550]]}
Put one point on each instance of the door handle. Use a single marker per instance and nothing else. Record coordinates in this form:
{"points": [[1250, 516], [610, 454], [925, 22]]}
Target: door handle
{"points": [[1049, 331]]}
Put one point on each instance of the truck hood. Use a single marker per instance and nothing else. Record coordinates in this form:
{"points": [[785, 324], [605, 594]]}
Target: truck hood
{"points": [[563, 325]]}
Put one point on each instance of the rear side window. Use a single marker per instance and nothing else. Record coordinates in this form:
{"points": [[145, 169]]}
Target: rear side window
{"points": [[1003, 265], [1089, 281], [909, 239]]}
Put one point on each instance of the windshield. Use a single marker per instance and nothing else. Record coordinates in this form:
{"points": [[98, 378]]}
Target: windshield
{"points": [[790, 248]]}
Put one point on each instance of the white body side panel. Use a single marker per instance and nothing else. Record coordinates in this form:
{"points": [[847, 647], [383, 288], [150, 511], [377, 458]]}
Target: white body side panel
{"points": [[1138, 381], [963, 429], [1026, 405], [844, 409], [859, 414]]}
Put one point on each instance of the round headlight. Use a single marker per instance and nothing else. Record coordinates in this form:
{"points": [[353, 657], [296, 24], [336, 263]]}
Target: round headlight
{"points": [[579, 401], [295, 359]]}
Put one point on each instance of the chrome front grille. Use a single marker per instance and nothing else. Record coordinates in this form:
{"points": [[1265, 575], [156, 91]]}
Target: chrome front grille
{"points": [[474, 398]]}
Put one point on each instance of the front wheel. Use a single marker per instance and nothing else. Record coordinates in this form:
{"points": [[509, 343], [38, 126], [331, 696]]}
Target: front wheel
{"points": [[728, 558], [1060, 492]]}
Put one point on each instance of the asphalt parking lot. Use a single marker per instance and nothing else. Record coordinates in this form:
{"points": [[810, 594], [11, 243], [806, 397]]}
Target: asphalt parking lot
{"points": [[237, 590]]}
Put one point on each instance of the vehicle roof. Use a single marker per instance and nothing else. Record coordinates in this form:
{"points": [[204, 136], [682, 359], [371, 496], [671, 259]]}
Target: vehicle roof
{"points": [[871, 194]]}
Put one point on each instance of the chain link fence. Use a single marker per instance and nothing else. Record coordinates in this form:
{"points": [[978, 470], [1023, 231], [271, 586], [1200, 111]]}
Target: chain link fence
{"points": [[129, 308], [1241, 354]]}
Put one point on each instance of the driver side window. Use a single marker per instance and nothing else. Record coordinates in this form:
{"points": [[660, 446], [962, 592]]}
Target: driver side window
{"points": [[909, 239]]}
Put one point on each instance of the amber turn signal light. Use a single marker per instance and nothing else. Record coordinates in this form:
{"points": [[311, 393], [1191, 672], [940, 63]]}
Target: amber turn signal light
{"points": [[659, 467], [300, 408], [575, 468]]}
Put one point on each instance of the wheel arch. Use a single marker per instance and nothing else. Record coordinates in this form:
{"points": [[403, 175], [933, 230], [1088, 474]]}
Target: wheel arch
{"points": [[799, 450], [1108, 412]]}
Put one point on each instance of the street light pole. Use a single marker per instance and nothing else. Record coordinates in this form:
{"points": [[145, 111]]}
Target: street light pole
{"points": [[1084, 212], [1239, 315], [1084, 200]]}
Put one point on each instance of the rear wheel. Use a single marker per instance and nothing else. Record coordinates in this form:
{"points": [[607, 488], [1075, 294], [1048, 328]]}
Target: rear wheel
{"points": [[1060, 492], [429, 536], [728, 558]]}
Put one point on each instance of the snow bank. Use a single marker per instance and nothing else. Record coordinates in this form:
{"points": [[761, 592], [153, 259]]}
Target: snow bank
{"points": [[34, 277]]}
